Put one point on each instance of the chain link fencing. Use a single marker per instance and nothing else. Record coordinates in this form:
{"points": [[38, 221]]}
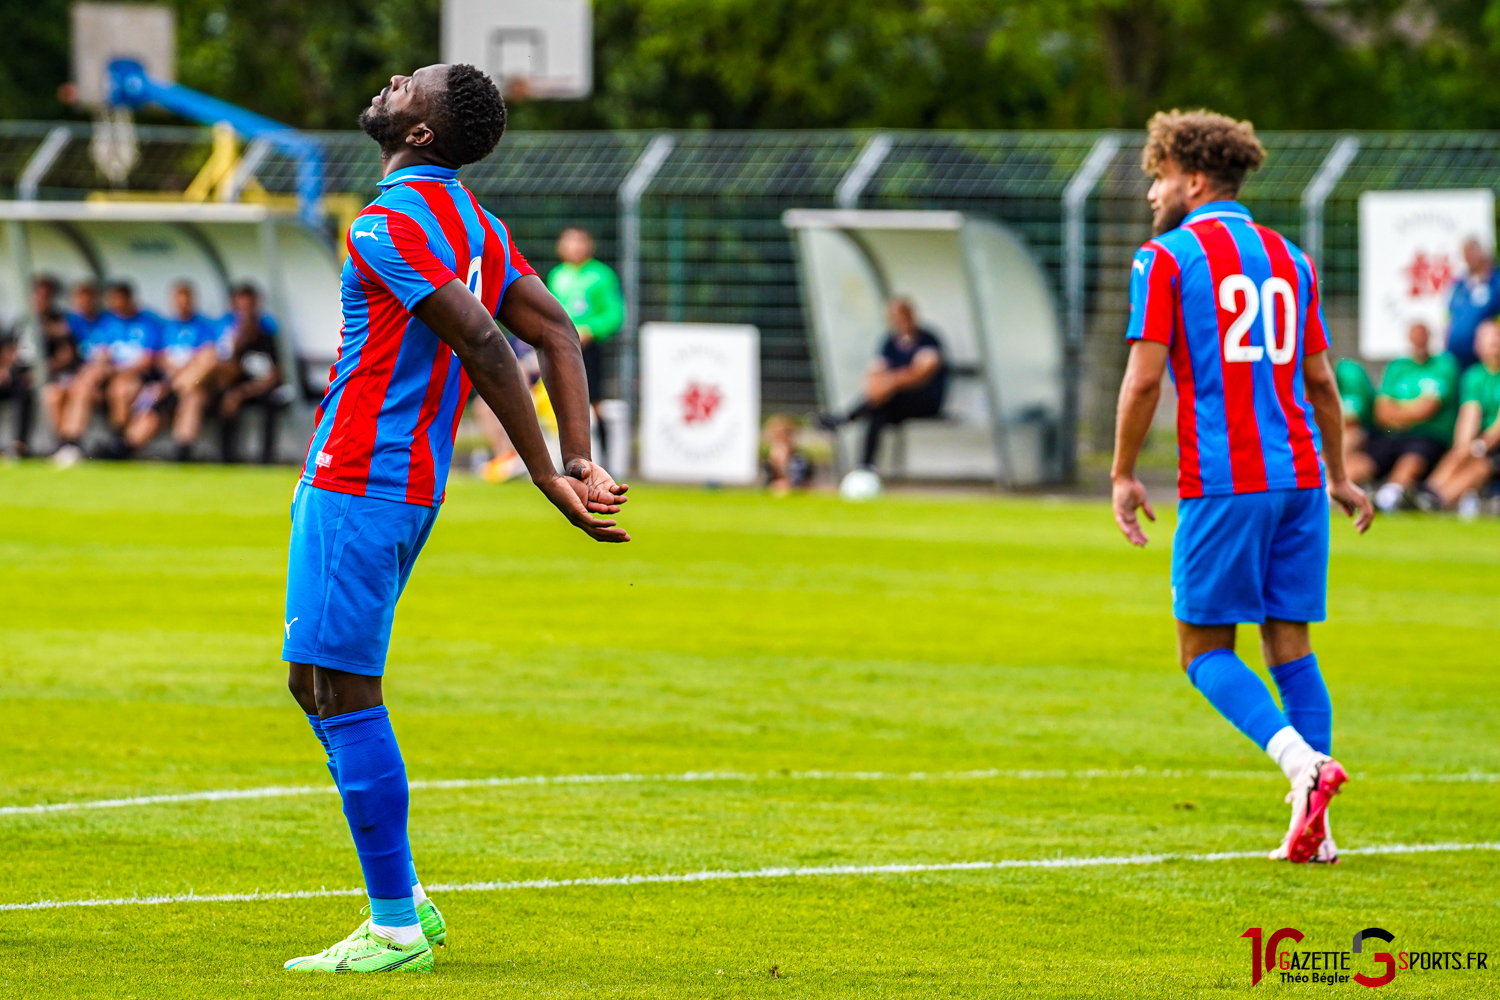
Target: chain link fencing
{"points": [[711, 246]]}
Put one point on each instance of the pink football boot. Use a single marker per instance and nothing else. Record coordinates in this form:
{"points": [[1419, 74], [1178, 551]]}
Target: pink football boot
{"points": [[1312, 791]]}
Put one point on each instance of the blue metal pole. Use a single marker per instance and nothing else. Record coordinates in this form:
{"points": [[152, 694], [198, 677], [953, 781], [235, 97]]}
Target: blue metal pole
{"points": [[130, 86]]}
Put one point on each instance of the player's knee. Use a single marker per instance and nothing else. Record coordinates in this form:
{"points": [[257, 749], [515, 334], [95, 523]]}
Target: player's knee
{"points": [[299, 682]]}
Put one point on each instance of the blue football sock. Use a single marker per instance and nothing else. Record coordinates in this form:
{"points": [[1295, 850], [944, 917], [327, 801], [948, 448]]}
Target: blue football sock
{"points": [[398, 912], [372, 781], [317, 727], [1238, 694], [1305, 699]]}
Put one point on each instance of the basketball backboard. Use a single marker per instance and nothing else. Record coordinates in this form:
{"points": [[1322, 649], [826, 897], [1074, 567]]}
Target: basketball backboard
{"points": [[104, 32], [532, 48]]}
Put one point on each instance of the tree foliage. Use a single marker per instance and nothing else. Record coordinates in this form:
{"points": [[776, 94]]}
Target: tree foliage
{"points": [[833, 63]]}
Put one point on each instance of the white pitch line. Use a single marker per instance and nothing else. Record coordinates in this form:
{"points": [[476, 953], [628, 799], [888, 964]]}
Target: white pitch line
{"points": [[219, 795], [693, 777], [721, 875]]}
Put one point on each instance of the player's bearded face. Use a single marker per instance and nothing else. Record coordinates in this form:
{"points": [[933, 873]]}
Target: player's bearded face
{"points": [[1168, 202], [385, 127]]}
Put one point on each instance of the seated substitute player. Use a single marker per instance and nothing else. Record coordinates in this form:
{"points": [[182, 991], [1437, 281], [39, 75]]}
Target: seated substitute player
{"points": [[122, 359], [1357, 394], [187, 355], [86, 315], [1475, 457], [1415, 410], [15, 387], [47, 326], [906, 382], [429, 271], [73, 393], [248, 372], [1233, 307], [61, 351]]}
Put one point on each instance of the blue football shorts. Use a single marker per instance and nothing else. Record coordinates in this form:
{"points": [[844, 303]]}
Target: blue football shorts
{"points": [[1251, 556], [349, 561]]}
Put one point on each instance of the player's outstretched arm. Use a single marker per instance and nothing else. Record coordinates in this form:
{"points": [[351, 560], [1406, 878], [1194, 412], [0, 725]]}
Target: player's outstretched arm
{"points": [[1139, 392], [454, 314], [1322, 391], [532, 313]]}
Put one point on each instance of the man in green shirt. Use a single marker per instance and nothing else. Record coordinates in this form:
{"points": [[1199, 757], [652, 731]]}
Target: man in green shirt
{"points": [[1357, 393], [1475, 458], [590, 291], [1414, 413]]}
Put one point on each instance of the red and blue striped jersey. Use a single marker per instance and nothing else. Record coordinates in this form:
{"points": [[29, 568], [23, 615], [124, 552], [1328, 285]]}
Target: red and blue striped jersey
{"points": [[1236, 304], [386, 425]]}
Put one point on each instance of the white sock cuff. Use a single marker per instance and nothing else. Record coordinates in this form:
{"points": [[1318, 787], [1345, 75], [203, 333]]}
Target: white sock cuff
{"points": [[1290, 751], [400, 935], [418, 894]]}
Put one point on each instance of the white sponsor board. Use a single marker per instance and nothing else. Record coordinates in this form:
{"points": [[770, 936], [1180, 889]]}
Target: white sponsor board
{"points": [[700, 402], [532, 48], [1410, 252]]}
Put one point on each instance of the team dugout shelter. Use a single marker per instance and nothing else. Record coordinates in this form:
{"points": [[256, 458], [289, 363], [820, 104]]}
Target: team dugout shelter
{"points": [[977, 286], [153, 244]]}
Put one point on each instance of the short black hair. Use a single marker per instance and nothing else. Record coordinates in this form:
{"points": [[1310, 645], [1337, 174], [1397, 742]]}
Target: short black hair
{"points": [[123, 287], [245, 288], [470, 115]]}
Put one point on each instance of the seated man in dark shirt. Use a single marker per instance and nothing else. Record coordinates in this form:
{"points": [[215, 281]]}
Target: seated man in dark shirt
{"points": [[61, 349], [248, 371], [907, 381], [60, 352], [15, 387]]}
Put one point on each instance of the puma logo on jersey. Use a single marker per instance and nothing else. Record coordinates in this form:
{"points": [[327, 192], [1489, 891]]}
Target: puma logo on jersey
{"points": [[289, 627], [1138, 265], [368, 232]]}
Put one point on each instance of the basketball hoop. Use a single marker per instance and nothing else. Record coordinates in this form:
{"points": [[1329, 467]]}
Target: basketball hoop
{"points": [[113, 146], [103, 33], [533, 51]]}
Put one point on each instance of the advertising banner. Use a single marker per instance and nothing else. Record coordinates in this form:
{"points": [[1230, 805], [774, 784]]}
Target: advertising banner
{"points": [[1410, 252], [700, 402]]}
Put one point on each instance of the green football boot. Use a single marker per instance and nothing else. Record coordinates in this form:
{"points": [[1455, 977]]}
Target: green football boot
{"points": [[433, 927], [366, 951]]}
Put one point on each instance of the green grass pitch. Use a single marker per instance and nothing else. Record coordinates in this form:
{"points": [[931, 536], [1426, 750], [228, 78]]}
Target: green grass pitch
{"points": [[140, 627]]}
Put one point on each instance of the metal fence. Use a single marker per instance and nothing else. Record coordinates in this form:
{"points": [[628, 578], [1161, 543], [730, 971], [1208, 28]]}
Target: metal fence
{"points": [[704, 241]]}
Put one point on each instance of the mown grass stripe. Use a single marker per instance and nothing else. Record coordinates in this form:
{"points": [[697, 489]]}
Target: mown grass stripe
{"points": [[721, 875], [689, 777]]}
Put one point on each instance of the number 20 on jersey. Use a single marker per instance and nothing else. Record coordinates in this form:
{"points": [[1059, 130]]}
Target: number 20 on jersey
{"points": [[1239, 295]]}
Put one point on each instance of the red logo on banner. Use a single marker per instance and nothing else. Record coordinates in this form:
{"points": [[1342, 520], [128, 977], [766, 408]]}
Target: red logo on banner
{"points": [[700, 402], [1428, 276]]}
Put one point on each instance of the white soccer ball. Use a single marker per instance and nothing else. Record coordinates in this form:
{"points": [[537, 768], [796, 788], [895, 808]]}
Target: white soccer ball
{"points": [[861, 484]]}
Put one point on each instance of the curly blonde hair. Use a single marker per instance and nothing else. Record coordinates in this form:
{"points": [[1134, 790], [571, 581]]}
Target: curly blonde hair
{"points": [[1217, 145]]}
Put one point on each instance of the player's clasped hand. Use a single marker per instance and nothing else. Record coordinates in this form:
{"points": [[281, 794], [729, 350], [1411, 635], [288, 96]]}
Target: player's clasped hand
{"points": [[574, 497], [1128, 495], [605, 495]]}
